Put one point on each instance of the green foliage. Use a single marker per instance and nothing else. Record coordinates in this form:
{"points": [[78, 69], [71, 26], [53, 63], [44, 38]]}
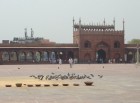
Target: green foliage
{"points": [[134, 41]]}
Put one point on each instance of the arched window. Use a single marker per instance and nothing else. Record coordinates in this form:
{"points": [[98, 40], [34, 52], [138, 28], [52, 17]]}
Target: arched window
{"points": [[5, 56], [117, 44], [87, 44], [45, 56], [37, 56], [29, 56], [13, 56], [21, 57], [52, 57]]}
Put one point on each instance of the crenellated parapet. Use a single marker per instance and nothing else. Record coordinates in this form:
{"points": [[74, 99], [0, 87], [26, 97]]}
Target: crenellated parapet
{"points": [[96, 29], [106, 32]]}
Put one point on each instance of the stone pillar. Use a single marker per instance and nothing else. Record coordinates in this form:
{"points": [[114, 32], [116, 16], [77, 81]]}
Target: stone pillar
{"points": [[125, 57], [137, 54], [1, 56]]}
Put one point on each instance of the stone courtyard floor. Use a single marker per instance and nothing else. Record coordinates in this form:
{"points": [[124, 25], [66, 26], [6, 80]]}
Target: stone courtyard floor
{"points": [[113, 83]]}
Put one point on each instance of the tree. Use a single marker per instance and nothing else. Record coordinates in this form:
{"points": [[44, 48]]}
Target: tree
{"points": [[134, 41]]}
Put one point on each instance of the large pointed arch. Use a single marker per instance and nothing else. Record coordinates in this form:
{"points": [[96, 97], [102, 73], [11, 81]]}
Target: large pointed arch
{"points": [[102, 44], [102, 52]]}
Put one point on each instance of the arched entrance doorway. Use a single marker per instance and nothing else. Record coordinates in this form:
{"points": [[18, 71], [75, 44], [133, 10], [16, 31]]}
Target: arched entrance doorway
{"points": [[101, 56], [102, 52]]}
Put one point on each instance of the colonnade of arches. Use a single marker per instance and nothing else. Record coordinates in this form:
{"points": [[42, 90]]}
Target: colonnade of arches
{"points": [[36, 56], [129, 57]]}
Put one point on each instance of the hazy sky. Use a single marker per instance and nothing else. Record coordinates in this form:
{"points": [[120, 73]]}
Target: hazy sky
{"points": [[52, 19]]}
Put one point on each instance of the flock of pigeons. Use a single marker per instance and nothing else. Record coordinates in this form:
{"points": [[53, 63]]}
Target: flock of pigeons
{"points": [[69, 76]]}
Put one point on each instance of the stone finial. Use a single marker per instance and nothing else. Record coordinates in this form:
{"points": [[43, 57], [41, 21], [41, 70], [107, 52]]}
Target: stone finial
{"points": [[32, 32], [123, 24], [114, 23], [26, 33], [104, 21]]}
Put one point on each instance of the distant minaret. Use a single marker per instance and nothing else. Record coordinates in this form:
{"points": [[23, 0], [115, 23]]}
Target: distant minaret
{"points": [[123, 25], [32, 33], [80, 23], [114, 23], [73, 24], [25, 33], [104, 22]]}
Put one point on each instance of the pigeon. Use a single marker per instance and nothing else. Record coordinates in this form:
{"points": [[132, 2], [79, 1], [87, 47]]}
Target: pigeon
{"points": [[100, 76], [52, 73], [92, 75]]}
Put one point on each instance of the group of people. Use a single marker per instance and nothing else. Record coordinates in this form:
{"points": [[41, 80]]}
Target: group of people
{"points": [[70, 62], [120, 60]]}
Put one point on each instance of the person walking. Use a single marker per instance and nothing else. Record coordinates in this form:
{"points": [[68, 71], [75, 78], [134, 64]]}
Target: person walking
{"points": [[60, 61], [70, 62]]}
